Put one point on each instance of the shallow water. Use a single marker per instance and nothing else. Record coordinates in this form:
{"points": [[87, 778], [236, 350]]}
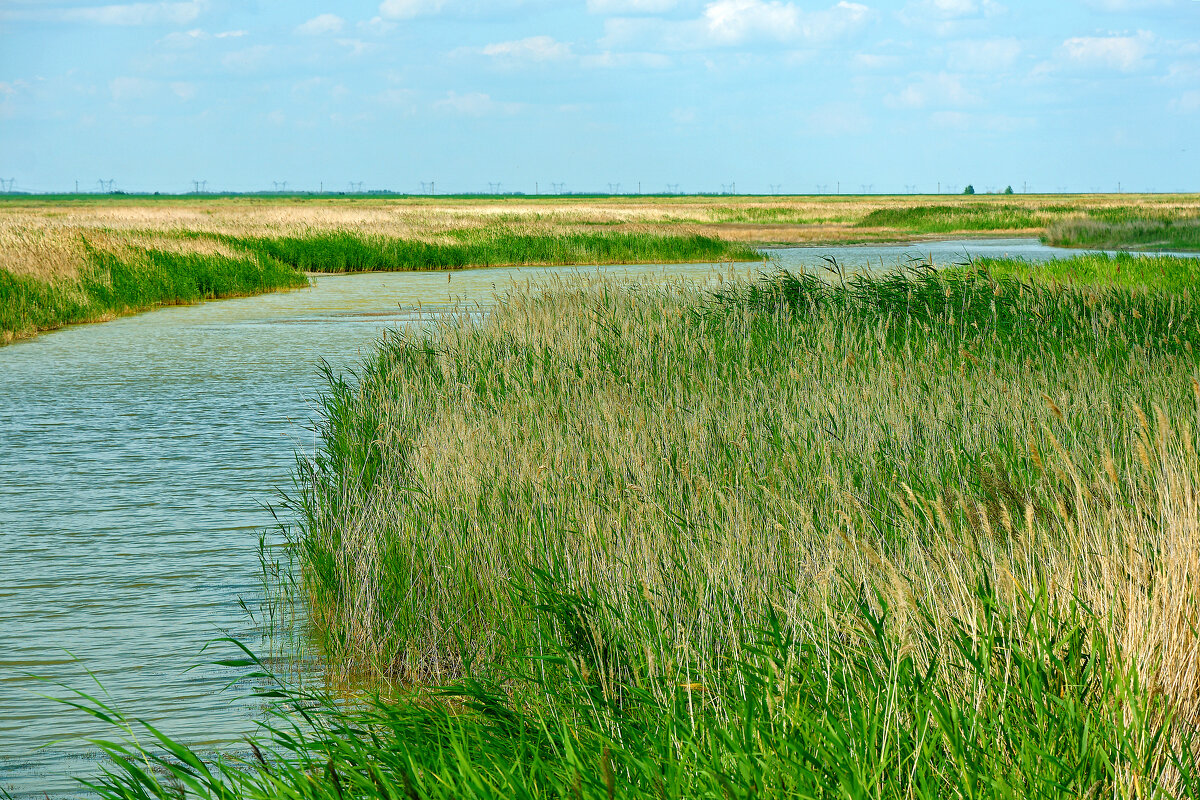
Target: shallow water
{"points": [[137, 458]]}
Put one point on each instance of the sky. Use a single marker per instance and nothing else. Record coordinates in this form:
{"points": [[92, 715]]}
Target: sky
{"points": [[752, 96]]}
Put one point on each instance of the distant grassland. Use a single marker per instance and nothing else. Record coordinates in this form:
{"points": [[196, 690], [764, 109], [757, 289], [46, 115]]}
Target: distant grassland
{"points": [[60, 258]]}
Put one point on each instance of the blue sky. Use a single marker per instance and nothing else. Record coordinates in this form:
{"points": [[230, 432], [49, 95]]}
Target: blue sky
{"points": [[1075, 95]]}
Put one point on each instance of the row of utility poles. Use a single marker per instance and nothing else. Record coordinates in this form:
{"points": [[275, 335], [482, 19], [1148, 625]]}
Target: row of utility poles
{"points": [[107, 186]]}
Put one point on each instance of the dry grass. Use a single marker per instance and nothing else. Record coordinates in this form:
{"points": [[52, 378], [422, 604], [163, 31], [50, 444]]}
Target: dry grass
{"points": [[42, 238]]}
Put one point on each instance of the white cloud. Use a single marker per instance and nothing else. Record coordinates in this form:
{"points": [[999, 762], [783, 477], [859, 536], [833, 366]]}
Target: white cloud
{"points": [[408, 9], [1123, 53], [945, 17], [952, 9], [736, 22], [1128, 5], [533, 48], [940, 90], [176, 13], [474, 104], [321, 24], [609, 60], [183, 90], [182, 39], [987, 55], [630, 6]]}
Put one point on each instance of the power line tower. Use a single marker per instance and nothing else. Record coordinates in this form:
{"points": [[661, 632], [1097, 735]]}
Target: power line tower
{"points": [[775, 187], [6, 186], [356, 187], [426, 187], [106, 186], [494, 188], [557, 188], [614, 188], [672, 188], [280, 186], [199, 187]]}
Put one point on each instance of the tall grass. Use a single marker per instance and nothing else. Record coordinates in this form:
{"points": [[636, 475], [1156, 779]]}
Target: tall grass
{"points": [[921, 535], [640, 431], [945, 218], [1145, 233], [132, 279], [351, 252], [1177, 274]]}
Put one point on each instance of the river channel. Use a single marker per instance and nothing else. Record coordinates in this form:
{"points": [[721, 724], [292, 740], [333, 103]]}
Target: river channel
{"points": [[137, 462]]}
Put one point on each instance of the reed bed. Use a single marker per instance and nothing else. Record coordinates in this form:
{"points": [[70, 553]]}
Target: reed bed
{"points": [[1180, 274], [50, 278], [931, 534], [1146, 233]]}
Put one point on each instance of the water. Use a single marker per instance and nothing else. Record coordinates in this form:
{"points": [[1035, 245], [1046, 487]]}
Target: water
{"points": [[137, 458]]}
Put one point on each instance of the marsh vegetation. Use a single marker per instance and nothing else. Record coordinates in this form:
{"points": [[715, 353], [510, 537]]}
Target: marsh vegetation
{"points": [[928, 534], [81, 258]]}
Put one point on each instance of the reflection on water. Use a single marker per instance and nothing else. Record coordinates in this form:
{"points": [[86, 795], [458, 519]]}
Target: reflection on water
{"points": [[136, 459]]}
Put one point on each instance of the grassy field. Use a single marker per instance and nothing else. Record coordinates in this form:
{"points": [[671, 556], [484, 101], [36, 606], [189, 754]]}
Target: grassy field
{"points": [[58, 254], [932, 534]]}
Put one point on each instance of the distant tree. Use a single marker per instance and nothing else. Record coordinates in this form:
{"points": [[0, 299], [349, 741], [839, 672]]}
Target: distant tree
{"points": [[1008, 190], [969, 190]]}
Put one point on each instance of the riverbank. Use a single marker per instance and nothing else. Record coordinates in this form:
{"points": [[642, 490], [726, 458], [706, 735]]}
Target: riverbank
{"points": [[111, 275], [834, 535]]}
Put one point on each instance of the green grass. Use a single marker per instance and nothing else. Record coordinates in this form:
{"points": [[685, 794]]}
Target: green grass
{"points": [[1161, 273], [929, 534], [1115, 232], [1022, 706], [142, 278], [139, 279], [348, 252], [957, 218]]}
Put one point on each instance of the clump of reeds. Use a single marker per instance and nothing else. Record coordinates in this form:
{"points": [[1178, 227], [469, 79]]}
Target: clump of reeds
{"points": [[130, 278], [350, 252], [920, 535], [1144, 232]]}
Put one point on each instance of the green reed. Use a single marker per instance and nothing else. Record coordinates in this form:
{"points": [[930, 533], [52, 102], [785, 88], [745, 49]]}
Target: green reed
{"points": [[929, 534], [136, 279], [351, 252], [1142, 232]]}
